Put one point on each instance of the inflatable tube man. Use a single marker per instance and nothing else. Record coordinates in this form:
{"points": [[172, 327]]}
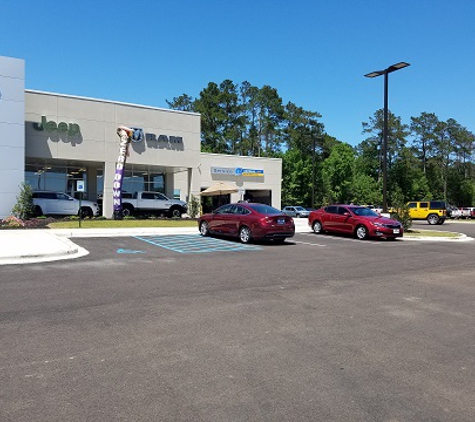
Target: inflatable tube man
{"points": [[125, 135]]}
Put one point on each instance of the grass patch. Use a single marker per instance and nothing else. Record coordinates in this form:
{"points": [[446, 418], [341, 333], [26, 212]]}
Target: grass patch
{"points": [[121, 224], [431, 233]]}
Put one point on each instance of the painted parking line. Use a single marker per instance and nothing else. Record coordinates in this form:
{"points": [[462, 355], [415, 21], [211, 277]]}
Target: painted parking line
{"points": [[307, 243], [342, 238], [195, 243]]}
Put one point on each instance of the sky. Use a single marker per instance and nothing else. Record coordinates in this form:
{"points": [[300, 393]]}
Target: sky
{"points": [[314, 52]]}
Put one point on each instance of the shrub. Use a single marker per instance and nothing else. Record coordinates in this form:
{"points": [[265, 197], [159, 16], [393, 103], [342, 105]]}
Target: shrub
{"points": [[12, 222], [24, 208], [193, 207], [38, 223], [400, 210]]}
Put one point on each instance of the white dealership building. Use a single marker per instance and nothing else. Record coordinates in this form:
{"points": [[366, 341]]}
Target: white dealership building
{"points": [[59, 142]]}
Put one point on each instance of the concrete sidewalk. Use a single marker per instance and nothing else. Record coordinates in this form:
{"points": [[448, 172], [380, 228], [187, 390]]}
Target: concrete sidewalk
{"points": [[38, 245]]}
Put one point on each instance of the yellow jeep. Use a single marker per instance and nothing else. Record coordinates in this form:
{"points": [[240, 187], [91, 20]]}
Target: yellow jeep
{"points": [[435, 212]]}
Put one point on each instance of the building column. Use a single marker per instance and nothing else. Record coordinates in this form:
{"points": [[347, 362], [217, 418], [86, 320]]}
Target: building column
{"points": [[107, 200], [91, 175], [169, 184], [12, 132]]}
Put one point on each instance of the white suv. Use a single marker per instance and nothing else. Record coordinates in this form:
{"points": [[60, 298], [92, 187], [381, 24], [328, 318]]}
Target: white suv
{"points": [[59, 203]]}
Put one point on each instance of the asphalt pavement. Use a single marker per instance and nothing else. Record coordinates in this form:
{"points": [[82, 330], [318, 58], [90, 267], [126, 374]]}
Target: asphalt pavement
{"points": [[322, 328], [19, 246]]}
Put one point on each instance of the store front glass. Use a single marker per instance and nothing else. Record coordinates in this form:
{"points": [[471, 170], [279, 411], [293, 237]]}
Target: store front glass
{"points": [[61, 176]]}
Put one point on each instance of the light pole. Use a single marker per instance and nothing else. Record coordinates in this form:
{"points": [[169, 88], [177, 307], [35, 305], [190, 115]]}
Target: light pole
{"points": [[386, 72], [313, 173]]}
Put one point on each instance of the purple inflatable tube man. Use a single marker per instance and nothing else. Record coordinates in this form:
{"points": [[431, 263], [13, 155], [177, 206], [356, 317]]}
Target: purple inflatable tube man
{"points": [[125, 134]]}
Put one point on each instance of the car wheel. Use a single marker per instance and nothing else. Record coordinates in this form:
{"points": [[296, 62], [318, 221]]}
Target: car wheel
{"points": [[361, 232], [127, 211], [204, 228], [175, 212], [38, 212], [85, 212], [245, 234], [433, 219], [317, 227]]}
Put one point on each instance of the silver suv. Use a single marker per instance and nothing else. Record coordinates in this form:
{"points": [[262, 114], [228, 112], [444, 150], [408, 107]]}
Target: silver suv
{"points": [[296, 211], [59, 203]]}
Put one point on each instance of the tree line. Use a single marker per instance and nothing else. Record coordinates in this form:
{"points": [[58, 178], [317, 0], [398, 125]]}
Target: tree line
{"points": [[427, 158]]}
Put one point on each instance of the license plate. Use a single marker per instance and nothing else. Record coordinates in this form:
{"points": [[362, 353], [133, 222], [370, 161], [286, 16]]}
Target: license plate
{"points": [[396, 231], [281, 221]]}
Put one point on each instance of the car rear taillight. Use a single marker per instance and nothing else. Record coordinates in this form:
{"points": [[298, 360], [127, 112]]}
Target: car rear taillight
{"points": [[265, 221]]}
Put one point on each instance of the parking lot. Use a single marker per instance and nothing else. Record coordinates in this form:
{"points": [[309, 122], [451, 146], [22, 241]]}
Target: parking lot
{"points": [[321, 328]]}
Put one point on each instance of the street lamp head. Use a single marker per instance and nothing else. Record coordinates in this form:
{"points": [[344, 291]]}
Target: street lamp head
{"points": [[390, 69], [375, 73], [397, 66]]}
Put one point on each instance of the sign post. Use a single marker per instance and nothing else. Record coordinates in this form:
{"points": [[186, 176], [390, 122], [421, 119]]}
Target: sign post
{"points": [[80, 189]]}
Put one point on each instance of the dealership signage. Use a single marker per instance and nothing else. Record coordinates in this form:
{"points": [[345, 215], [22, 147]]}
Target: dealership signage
{"points": [[169, 139], [71, 129], [237, 171]]}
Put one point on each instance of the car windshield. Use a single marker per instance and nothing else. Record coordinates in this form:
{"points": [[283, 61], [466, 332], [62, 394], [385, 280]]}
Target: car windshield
{"points": [[300, 209], [364, 212], [264, 209]]}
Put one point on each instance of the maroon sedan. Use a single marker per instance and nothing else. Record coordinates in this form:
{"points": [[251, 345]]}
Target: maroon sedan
{"points": [[248, 221], [360, 221]]}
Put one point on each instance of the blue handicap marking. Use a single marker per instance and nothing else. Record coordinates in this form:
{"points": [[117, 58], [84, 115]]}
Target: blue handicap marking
{"points": [[129, 251], [195, 243]]}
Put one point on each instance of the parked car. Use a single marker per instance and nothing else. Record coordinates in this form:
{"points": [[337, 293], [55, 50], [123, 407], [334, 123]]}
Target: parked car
{"points": [[295, 211], [375, 208], [435, 212], [356, 220], [248, 221], [152, 203], [453, 212], [467, 212], [60, 203]]}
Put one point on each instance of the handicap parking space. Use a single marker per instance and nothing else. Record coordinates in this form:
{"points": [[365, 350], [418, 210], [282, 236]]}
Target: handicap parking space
{"points": [[195, 243]]}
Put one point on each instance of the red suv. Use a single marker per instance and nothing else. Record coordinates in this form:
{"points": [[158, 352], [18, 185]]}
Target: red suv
{"points": [[356, 220]]}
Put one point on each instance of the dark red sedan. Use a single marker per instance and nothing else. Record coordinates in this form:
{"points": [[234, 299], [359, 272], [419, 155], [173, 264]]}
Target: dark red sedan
{"points": [[360, 221], [248, 221]]}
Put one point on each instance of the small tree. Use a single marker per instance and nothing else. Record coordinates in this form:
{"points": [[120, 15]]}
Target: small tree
{"points": [[193, 207], [24, 208], [400, 210]]}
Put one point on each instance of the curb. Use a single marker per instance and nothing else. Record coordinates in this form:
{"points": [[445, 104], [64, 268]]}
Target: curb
{"points": [[68, 233], [461, 238]]}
